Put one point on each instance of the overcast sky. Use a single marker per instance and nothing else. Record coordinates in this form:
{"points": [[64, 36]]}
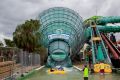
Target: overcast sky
{"points": [[13, 12]]}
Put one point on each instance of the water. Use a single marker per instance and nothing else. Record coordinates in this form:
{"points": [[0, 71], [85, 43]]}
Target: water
{"points": [[72, 74]]}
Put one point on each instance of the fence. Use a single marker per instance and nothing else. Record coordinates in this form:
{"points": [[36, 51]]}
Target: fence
{"points": [[22, 62], [29, 59]]}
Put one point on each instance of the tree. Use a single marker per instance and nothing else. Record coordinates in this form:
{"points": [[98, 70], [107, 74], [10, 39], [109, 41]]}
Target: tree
{"points": [[9, 43], [26, 36], [1, 44], [43, 54], [93, 18]]}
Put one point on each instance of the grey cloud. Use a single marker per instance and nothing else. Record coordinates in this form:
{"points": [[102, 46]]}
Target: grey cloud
{"points": [[14, 12], [114, 9]]}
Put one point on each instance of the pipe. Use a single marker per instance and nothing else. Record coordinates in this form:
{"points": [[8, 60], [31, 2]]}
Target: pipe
{"points": [[104, 29], [110, 47], [110, 19], [116, 49], [108, 29], [118, 42]]}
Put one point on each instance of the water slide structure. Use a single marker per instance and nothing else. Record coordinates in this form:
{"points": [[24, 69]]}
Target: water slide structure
{"points": [[64, 34]]}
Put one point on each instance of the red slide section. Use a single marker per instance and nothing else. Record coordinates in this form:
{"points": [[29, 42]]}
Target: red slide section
{"points": [[113, 49], [118, 42]]}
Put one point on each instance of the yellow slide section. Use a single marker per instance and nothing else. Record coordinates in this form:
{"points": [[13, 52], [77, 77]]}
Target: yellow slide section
{"points": [[56, 71], [106, 67]]}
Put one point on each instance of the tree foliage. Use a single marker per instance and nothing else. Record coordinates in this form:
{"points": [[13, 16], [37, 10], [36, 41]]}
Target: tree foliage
{"points": [[26, 35], [43, 54], [1, 44], [9, 43], [93, 18]]}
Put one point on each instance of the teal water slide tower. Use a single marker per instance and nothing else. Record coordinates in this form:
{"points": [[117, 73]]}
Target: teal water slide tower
{"points": [[62, 34]]}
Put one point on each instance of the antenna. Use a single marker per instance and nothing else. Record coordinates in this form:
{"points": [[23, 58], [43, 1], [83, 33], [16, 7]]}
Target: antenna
{"points": [[96, 10]]}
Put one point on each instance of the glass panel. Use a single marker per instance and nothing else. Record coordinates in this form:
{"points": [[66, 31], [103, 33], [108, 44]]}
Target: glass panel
{"points": [[61, 21]]}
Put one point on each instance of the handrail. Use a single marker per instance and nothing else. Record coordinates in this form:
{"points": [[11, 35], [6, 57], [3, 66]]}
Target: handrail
{"points": [[93, 53]]}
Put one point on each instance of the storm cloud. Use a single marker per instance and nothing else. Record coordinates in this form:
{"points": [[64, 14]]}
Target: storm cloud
{"points": [[14, 12]]}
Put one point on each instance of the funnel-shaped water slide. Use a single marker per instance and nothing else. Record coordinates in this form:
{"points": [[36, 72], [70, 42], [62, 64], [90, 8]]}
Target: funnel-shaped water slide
{"points": [[62, 33]]}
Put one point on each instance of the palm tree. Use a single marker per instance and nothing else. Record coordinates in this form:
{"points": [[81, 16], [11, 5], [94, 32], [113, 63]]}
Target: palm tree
{"points": [[26, 35]]}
